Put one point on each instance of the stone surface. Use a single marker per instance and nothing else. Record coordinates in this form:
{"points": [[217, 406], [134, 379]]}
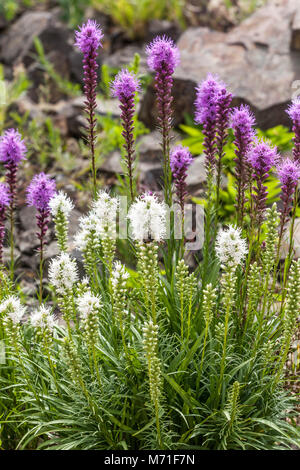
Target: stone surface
{"points": [[285, 241], [125, 56], [18, 44], [295, 44], [255, 60]]}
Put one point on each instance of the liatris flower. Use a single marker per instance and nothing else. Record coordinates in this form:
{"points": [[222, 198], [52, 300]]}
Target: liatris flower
{"points": [[262, 157], [289, 174], [163, 57], [41, 189], [150, 333], [120, 296], [291, 313], [206, 105], [42, 319], [147, 218], [294, 113], [124, 88], [231, 248], [12, 151], [88, 40], [12, 309], [186, 285], [89, 306], [222, 122], [4, 203], [105, 209], [43, 322], [242, 122], [60, 207], [180, 160], [11, 313], [63, 274]]}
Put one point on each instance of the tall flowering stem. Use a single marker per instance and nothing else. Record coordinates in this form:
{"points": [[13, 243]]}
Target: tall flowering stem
{"points": [[39, 193], [180, 160], [242, 122], [124, 87], [206, 104], [12, 151], [147, 218], [4, 203], [163, 57], [289, 175], [88, 40], [294, 113], [261, 157], [222, 121], [231, 249]]}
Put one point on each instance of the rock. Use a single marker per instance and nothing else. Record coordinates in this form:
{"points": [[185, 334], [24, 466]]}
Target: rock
{"points": [[18, 44], [39, 78], [112, 164], [125, 56], [27, 218], [162, 27], [254, 59], [27, 240], [295, 43], [285, 241], [196, 174], [149, 146]]}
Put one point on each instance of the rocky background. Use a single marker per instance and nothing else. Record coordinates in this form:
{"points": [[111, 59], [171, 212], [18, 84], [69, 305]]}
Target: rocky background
{"points": [[258, 57]]}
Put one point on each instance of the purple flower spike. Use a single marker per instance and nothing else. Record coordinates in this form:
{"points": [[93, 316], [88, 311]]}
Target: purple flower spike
{"points": [[124, 88], [41, 189], [222, 122], [89, 37], [289, 175], [294, 113], [242, 122], [180, 160], [262, 157], [163, 57], [125, 85], [88, 40], [12, 147], [207, 100], [4, 203], [12, 151]]}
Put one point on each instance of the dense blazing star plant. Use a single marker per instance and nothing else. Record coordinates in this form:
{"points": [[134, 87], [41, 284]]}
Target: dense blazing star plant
{"points": [[133, 348], [12, 152], [39, 193]]}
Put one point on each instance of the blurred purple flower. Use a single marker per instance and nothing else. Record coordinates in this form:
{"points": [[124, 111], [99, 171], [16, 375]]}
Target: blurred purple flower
{"points": [[41, 189], [88, 37], [124, 87], [163, 55], [294, 113], [88, 40], [242, 122], [262, 157], [4, 203], [12, 147], [180, 160]]}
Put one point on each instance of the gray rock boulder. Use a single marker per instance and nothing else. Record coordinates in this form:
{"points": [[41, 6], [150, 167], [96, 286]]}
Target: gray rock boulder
{"points": [[257, 59]]}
